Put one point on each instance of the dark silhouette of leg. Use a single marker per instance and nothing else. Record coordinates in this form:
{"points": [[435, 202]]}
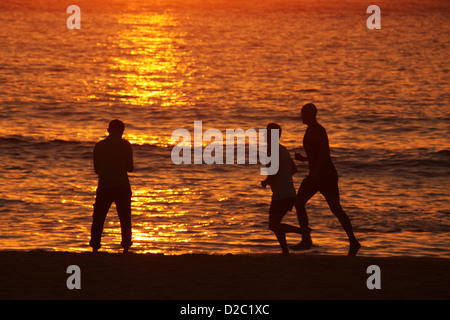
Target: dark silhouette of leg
{"points": [[306, 191], [103, 202], [335, 207], [281, 237], [280, 230], [123, 204], [302, 216], [278, 209]]}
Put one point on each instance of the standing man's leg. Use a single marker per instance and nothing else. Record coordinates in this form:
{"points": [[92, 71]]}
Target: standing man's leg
{"points": [[103, 201], [123, 204], [333, 201]]}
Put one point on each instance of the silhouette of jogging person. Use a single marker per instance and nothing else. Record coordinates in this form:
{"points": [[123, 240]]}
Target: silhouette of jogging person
{"points": [[322, 177], [113, 157], [283, 196]]}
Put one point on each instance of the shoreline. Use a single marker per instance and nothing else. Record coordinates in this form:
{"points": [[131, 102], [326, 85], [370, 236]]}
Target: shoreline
{"points": [[42, 275]]}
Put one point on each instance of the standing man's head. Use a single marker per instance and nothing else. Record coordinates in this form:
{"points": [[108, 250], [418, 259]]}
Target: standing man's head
{"points": [[309, 112], [116, 128]]}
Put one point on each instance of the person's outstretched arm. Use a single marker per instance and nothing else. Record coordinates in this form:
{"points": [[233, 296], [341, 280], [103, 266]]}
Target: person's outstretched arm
{"points": [[299, 157], [293, 166]]}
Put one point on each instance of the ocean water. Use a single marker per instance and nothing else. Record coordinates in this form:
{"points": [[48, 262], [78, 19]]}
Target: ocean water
{"points": [[383, 96]]}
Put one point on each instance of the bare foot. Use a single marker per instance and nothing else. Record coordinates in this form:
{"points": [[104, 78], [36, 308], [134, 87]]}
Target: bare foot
{"points": [[305, 244], [354, 247]]}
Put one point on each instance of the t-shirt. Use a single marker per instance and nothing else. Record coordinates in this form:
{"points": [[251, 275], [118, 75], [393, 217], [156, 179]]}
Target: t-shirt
{"points": [[282, 185], [113, 156], [315, 143]]}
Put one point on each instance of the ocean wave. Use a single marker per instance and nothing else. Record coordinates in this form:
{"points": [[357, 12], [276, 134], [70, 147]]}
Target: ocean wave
{"points": [[41, 143], [379, 159], [418, 161]]}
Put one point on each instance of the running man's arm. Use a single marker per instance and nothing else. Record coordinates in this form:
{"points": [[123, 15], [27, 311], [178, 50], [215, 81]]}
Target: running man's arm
{"points": [[299, 157], [293, 166], [322, 155], [267, 181]]}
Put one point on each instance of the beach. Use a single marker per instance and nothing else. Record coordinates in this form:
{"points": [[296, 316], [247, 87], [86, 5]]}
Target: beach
{"points": [[42, 275], [382, 96]]}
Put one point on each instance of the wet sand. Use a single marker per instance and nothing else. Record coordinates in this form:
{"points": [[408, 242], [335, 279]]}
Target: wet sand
{"points": [[42, 275]]}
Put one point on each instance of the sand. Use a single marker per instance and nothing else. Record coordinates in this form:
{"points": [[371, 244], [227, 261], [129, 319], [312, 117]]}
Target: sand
{"points": [[42, 275]]}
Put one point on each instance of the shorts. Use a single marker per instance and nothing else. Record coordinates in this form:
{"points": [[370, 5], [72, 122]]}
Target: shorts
{"points": [[281, 206], [327, 187], [278, 209]]}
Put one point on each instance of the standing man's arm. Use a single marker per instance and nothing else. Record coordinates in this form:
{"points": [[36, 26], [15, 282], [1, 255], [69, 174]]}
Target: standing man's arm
{"points": [[95, 158], [130, 165]]}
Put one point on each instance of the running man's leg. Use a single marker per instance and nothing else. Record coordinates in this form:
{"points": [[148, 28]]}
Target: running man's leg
{"points": [[274, 225], [333, 200], [278, 209], [305, 192]]}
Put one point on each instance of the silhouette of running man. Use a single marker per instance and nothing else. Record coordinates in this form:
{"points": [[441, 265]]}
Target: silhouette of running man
{"points": [[322, 177], [113, 157], [283, 196]]}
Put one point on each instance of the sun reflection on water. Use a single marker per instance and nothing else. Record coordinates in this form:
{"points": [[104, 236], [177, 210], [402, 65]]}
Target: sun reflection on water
{"points": [[156, 228], [150, 69], [141, 139]]}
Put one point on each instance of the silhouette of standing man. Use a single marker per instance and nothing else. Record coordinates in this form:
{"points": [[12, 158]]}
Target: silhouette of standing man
{"points": [[113, 157], [322, 177]]}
